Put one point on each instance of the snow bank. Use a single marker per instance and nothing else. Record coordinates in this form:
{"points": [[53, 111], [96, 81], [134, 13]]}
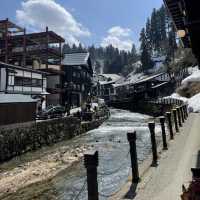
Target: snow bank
{"points": [[194, 103], [177, 96], [193, 69], [194, 77]]}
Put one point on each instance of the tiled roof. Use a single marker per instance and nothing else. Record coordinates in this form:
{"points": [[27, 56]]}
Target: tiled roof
{"points": [[75, 59]]}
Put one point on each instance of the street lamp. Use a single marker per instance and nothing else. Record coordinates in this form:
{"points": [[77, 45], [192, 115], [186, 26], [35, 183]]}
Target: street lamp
{"points": [[181, 33], [69, 87]]}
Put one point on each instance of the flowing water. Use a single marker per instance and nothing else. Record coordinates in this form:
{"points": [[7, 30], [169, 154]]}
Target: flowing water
{"points": [[110, 139]]}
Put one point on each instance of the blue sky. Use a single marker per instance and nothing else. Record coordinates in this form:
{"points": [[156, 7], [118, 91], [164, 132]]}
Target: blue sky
{"points": [[98, 22]]}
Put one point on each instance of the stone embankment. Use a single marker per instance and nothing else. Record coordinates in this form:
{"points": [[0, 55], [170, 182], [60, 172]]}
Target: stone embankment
{"points": [[18, 139], [55, 152]]}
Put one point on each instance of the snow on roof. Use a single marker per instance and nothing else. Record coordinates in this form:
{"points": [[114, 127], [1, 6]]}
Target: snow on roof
{"points": [[114, 77], [15, 98], [74, 59], [148, 78]]}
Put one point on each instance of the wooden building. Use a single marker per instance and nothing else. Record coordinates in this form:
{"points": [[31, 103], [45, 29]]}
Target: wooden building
{"points": [[41, 51], [105, 86], [16, 108], [153, 86], [186, 18], [77, 80], [21, 80]]}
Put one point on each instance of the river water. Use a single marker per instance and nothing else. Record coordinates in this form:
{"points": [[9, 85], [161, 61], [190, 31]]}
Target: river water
{"points": [[110, 139]]}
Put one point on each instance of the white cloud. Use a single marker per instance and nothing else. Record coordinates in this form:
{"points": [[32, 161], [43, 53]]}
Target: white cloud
{"points": [[119, 31], [37, 14], [119, 38]]}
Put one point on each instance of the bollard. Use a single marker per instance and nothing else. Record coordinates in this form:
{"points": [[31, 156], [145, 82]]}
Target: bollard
{"points": [[175, 120], [169, 115], [153, 143], [179, 116], [162, 123], [91, 164], [133, 153], [182, 114], [185, 111]]}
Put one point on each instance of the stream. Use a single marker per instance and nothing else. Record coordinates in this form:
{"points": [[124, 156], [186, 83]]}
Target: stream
{"points": [[110, 139]]}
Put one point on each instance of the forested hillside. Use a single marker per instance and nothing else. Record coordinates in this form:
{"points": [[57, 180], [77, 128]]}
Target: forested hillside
{"points": [[157, 39]]}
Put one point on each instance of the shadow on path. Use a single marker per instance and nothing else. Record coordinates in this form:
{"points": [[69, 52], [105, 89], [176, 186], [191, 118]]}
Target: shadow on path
{"points": [[132, 191]]}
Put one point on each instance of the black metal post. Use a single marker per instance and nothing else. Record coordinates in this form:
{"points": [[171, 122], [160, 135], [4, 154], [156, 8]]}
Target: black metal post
{"points": [[186, 111], [175, 120], [133, 153], [179, 116], [153, 143], [182, 114], [91, 164], [162, 123], [169, 115]]}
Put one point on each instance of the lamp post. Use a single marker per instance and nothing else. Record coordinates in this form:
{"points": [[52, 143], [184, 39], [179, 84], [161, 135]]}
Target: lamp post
{"points": [[68, 89]]}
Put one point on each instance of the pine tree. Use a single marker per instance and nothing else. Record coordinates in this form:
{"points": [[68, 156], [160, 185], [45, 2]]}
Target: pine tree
{"points": [[146, 61], [149, 35]]}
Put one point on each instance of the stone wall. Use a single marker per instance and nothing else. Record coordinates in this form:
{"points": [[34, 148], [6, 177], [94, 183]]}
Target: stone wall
{"points": [[17, 139], [21, 138]]}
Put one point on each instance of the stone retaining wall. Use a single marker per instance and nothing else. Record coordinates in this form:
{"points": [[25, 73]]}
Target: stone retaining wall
{"points": [[21, 138]]}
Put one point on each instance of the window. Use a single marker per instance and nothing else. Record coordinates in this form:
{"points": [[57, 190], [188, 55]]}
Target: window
{"points": [[36, 82], [78, 75], [83, 87], [18, 81], [74, 74], [28, 82], [11, 80], [78, 87]]}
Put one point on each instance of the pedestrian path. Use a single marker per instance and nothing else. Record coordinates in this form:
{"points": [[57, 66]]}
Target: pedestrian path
{"points": [[165, 181]]}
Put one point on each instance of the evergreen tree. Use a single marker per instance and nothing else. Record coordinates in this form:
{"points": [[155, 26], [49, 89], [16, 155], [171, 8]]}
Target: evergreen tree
{"points": [[149, 36], [146, 60]]}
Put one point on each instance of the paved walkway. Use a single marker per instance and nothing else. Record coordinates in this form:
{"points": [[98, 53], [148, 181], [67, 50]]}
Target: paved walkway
{"points": [[165, 181]]}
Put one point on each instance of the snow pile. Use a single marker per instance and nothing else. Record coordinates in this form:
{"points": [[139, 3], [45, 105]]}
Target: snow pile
{"points": [[193, 69], [194, 77], [132, 78], [194, 103], [177, 96]]}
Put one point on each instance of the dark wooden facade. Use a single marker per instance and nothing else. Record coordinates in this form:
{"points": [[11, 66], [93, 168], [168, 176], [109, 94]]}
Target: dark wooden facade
{"points": [[186, 16], [16, 112], [77, 80]]}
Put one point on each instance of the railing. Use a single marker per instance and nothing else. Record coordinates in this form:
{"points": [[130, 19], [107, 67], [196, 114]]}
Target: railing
{"points": [[91, 159], [166, 101]]}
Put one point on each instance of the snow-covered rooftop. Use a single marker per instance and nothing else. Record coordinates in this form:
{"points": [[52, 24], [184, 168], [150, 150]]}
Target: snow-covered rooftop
{"points": [[15, 98], [75, 59], [114, 77]]}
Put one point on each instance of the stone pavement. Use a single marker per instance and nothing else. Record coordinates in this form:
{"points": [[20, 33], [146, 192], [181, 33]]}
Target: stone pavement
{"points": [[165, 181]]}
